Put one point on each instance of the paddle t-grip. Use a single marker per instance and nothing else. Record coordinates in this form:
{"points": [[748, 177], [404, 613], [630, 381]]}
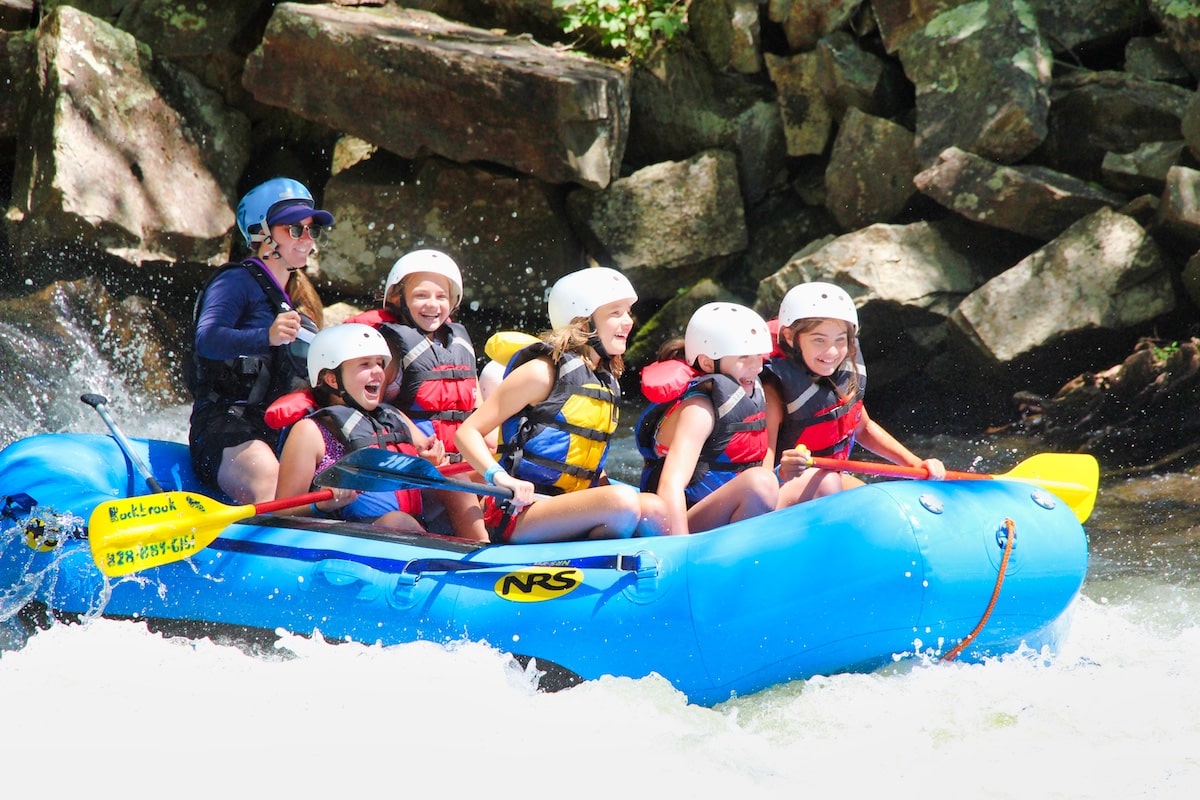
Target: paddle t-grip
{"points": [[98, 402]]}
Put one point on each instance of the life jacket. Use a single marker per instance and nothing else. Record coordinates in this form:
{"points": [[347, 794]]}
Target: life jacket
{"points": [[436, 380], [818, 413], [249, 380], [738, 440], [289, 409], [560, 444], [383, 428]]}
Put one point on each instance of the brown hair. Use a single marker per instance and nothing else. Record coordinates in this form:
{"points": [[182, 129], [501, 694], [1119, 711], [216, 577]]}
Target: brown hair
{"points": [[323, 393], [673, 348], [806, 324], [305, 298]]}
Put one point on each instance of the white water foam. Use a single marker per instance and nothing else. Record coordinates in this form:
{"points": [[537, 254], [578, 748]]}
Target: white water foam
{"points": [[1113, 715]]}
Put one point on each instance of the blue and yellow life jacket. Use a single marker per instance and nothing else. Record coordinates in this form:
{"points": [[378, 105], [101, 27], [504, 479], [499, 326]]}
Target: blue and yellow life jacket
{"points": [[560, 444]]}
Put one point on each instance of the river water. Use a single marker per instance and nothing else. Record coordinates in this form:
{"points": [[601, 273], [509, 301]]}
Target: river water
{"points": [[112, 709]]}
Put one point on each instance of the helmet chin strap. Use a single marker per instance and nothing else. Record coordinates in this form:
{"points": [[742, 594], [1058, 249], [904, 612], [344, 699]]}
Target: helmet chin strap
{"points": [[341, 392], [595, 343], [276, 254]]}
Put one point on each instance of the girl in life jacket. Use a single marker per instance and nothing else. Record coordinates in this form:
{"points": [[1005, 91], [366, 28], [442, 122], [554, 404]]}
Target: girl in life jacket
{"points": [[346, 365], [814, 390], [557, 410], [433, 377], [705, 437]]}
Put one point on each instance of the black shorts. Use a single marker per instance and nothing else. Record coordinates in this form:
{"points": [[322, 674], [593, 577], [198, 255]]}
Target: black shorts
{"points": [[217, 427]]}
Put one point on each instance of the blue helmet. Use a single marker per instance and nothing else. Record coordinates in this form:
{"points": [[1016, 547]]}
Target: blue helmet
{"points": [[273, 199]]}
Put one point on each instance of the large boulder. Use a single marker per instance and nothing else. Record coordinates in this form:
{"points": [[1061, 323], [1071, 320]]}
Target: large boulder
{"points": [[981, 73], [416, 84], [1033, 201], [127, 154], [664, 221], [905, 280], [509, 234], [1104, 272]]}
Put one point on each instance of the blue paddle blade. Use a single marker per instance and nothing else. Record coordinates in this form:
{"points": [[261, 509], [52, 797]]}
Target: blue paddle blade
{"points": [[372, 469], [17, 505]]}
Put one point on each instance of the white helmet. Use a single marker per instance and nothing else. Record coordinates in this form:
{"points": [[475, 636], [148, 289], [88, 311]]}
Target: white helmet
{"points": [[433, 261], [725, 329], [580, 293], [824, 300], [337, 344]]}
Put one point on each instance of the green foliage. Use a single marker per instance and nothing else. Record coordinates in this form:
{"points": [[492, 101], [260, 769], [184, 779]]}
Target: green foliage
{"points": [[635, 26], [1164, 352]]}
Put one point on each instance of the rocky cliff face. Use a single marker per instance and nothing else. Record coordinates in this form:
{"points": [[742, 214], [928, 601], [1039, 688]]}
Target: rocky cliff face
{"points": [[1006, 187]]}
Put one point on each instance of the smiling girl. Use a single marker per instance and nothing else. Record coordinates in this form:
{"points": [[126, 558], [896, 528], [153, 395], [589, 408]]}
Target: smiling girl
{"points": [[557, 410], [814, 394], [346, 368], [433, 379], [704, 438]]}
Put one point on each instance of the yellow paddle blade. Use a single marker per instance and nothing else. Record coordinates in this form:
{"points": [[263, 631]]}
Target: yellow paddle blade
{"points": [[1072, 477], [136, 533]]}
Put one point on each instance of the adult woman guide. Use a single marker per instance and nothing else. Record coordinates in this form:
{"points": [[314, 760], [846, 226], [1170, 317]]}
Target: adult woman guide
{"points": [[245, 322]]}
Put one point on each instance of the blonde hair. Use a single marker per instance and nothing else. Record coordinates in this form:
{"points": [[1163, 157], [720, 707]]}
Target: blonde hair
{"points": [[806, 324], [575, 337]]}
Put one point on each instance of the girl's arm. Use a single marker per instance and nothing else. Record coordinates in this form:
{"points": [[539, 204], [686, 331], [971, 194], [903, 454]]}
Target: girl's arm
{"points": [[302, 451], [493, 437], [693, 425], [774, 419], [792, 460], [527, 385], [871, 435]]}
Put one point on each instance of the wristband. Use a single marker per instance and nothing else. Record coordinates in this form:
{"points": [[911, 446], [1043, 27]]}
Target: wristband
{"points": [[489, 476], [316, 512]]}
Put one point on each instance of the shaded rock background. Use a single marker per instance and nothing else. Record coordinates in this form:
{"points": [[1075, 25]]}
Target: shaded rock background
{"points": [[1008, 188]]}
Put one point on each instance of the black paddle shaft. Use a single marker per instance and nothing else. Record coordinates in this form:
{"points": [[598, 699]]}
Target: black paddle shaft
{"points": [[99, 402]]}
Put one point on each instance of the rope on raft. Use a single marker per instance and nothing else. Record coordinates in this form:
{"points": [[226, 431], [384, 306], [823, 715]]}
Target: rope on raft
{"points": [[970, 637]]}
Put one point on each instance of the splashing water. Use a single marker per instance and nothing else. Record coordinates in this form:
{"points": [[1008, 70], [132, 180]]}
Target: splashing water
{"points": [[112, 708]]}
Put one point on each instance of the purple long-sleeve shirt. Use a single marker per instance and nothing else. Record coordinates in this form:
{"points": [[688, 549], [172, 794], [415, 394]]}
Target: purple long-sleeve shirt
{"points": [[235, 318]]}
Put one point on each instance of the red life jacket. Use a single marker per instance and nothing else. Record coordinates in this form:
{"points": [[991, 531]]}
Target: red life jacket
{"points": [[436, 380], [818, 413], [739, 437]]}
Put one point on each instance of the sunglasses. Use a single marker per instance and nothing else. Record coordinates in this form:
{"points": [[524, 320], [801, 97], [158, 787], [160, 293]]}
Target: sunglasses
{"points": [[317, 232]]}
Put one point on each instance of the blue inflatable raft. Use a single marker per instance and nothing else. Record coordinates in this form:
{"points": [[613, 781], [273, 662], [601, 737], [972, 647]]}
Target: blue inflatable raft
{"points": [[845, 583]]}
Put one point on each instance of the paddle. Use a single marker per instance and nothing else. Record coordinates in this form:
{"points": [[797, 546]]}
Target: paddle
{"points": [[374, 470], [136, 533], [1072, 477], [98, 402]]}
